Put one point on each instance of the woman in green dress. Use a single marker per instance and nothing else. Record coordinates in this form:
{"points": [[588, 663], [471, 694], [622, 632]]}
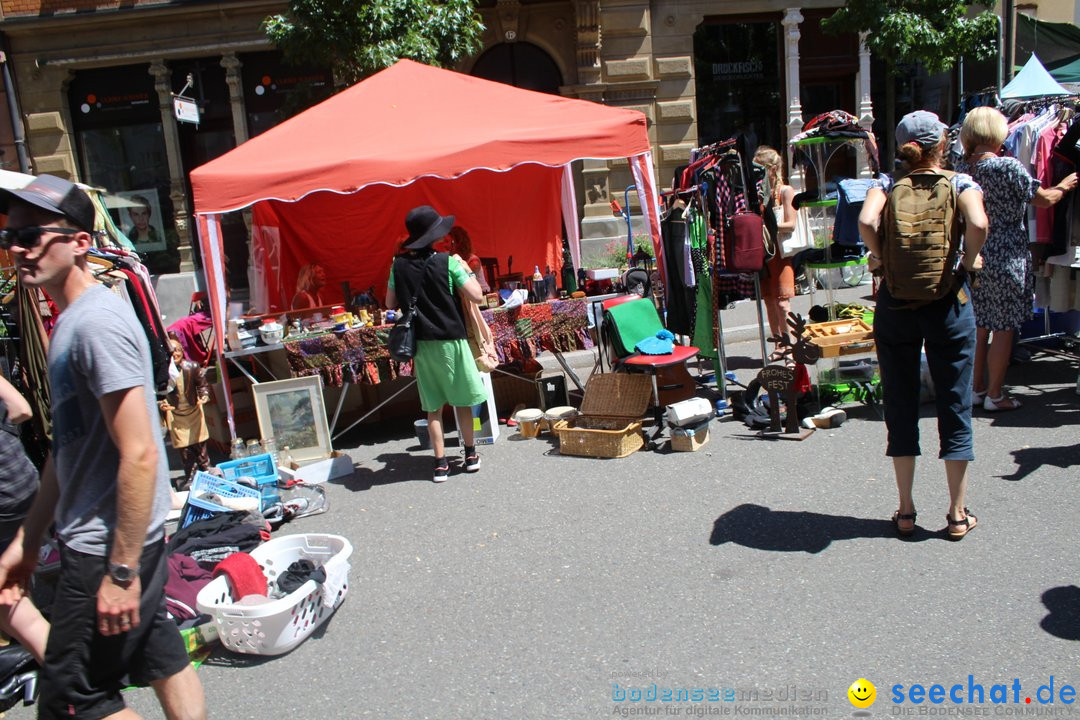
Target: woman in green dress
{"points": [[446, 372]]}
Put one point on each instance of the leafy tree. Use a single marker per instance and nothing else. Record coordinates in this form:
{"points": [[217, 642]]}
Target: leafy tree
{"points": [[934, 33], [357, 38]]}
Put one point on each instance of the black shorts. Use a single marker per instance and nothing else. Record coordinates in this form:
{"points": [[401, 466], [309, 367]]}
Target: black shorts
{"points": [[84, 670], [11, 519]]}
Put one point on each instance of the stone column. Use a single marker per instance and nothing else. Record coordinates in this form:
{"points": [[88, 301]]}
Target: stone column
{"points": [[233, 79], [866, 105], [163, 86], [595, 173], [792, 18], [587, 13]]}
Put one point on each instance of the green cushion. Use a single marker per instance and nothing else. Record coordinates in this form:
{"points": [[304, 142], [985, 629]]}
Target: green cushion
{"points": [[631, 322]]}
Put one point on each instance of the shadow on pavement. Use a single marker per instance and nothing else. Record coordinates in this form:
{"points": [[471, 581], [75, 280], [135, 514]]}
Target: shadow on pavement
{"points": [[755, 526], [1028, 460], [1064, 618], [396, 467]]}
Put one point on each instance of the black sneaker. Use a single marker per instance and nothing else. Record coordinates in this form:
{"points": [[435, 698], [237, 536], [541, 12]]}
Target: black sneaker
{"points": [[472, 462], [442, 472]]}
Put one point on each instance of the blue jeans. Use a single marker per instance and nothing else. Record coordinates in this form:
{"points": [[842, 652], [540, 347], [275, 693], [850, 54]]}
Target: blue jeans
{"points": [[947, 328]]}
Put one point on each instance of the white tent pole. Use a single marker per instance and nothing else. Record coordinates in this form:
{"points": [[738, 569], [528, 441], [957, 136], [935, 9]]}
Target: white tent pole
{"points": [[570, 216], [214, 270], [642, 168]]}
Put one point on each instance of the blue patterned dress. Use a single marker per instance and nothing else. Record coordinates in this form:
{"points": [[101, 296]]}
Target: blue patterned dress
{"points": [[1003, 298]]}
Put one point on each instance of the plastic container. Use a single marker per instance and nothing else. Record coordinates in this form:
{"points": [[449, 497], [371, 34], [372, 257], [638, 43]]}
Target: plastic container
{"points": [[277, 626], [423, 436], [203, 483]]}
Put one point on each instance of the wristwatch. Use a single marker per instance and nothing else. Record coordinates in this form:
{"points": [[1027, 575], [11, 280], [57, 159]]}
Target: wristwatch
{"points": [[121, 574]]}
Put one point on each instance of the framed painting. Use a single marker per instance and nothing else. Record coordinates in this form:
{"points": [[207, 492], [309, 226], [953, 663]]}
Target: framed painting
{"points": [[293, 414]]}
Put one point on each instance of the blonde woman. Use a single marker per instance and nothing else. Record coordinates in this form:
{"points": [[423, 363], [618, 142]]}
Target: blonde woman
{"points": [[779, 285], [1003, 295], [309, 281]]}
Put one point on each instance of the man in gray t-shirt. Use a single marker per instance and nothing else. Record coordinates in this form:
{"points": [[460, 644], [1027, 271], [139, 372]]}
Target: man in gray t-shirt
{"points": [[105, 482]]}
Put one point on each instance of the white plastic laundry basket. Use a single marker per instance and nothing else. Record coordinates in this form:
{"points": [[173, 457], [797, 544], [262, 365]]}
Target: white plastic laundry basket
{"points": [[278, 626]]}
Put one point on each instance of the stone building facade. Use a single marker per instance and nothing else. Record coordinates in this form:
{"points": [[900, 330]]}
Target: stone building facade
{"points": [[95, 79]]}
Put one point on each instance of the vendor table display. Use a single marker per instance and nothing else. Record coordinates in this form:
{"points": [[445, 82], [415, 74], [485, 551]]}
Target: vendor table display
{"points": [[359, 355], [527, 330]]}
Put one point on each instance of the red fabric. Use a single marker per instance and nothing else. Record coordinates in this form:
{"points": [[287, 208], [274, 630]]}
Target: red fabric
{"points": [[408, 121], [506, 214], [188, 332], [244, 574]]}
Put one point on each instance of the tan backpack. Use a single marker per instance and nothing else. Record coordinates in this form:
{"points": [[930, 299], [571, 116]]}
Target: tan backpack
{"points": [[921, 237]]}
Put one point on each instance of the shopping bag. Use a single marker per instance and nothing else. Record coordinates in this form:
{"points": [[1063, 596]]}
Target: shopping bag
{"points": [[801, 238]]}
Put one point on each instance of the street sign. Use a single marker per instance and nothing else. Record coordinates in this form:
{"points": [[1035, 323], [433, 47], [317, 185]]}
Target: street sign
{"points": [[185, 109]]}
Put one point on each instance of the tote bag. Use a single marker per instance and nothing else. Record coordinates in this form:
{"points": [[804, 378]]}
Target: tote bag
{"points": [[801, 238], [481, 340]]}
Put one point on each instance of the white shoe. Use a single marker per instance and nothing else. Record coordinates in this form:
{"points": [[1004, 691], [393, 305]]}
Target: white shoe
{"points": [[829, 417]]}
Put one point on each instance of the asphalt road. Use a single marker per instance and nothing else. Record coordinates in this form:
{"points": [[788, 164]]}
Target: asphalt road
{"points": [[546, 585]]}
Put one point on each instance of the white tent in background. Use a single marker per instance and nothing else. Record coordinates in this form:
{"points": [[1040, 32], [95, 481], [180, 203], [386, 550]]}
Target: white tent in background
{"points": [[14, 180], [1033, 80]]}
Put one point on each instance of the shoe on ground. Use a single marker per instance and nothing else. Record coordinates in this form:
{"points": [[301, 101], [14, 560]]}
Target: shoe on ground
{"points": [[442, 472], [1000, 404], [829, 417], [472, 463]]}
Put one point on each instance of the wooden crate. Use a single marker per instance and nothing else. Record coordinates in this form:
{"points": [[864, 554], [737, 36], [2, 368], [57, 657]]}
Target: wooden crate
{"points": [[610, 423], [841, 337]]}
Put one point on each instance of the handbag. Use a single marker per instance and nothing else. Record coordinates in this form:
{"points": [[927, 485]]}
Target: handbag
{"points": [[801, 237], [746, 248], [401, 343], [481, 339]]}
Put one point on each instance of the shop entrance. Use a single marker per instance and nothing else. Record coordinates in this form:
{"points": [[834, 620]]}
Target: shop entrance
{"points": [[738, 80]]}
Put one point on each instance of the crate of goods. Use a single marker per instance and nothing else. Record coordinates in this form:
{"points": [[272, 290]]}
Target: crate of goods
{"points": [[610, 422], [261, 467], [841, 337], [689, 439], [206, 489], [278, 625]]}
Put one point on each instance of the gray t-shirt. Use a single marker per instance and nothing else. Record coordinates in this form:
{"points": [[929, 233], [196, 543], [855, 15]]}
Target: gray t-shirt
{"points": [[97, 347]]}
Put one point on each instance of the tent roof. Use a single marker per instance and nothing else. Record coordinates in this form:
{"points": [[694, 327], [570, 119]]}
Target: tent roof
{"points": [[1050, 41], [412, 121], [1065, 71], [1032, 81]]}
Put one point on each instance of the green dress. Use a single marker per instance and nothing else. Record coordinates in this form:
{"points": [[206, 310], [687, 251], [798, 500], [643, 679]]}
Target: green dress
{"points": [[446, 372]]}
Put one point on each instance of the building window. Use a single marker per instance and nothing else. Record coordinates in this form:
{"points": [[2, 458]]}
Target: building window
{"points": [[118, 133], [737, 65]]}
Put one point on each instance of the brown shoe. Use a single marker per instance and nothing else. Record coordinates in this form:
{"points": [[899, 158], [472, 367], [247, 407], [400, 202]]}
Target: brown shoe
{"points": [[957, 529]]}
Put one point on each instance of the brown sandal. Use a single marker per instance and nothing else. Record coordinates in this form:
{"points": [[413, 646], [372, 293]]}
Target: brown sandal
{"points": [[898, 516], [959, 528]]}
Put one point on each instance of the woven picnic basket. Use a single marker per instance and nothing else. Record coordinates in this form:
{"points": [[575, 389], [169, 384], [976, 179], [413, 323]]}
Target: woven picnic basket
{"points": [[610, 422]]}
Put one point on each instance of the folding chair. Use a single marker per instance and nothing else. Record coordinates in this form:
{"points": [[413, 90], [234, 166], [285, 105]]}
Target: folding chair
{"points": [[628, 320]]}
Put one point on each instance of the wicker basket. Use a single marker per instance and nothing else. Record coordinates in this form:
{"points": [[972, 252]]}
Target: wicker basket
{"points": [[610, 423]]}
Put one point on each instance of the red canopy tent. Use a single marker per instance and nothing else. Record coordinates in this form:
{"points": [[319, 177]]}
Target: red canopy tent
{"points": [[333, 184]]}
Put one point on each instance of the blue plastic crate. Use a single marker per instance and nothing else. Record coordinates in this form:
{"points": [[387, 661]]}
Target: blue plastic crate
{"points": [[204, 483], [261, 467], [196, 509]]}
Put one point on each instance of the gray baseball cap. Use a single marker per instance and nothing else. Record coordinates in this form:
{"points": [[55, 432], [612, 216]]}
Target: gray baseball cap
{"points": [[921, 127]]}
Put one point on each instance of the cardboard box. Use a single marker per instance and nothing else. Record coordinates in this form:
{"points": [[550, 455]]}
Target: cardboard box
{"points": [[336, 466], [690, 439]]}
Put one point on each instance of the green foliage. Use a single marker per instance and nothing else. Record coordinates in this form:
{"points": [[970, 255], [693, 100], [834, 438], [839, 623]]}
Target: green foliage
{"points": [[360, 37], [934, 33]]}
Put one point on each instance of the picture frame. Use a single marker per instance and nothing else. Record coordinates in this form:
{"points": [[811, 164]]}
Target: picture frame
{"points": [[126, 204], [293, 413]]}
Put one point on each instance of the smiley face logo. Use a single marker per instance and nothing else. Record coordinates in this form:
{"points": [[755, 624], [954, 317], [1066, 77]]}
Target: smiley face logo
{"points": [[862, 693]]}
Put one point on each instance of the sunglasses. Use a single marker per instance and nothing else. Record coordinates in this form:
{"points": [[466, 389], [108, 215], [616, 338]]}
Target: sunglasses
{"points": [[29, 237]]}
